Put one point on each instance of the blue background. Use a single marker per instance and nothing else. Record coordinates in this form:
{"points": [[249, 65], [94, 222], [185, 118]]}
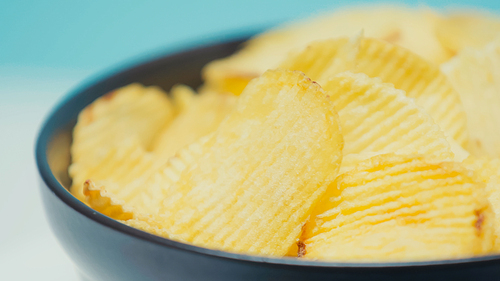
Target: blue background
{"points": [[92, 35]]}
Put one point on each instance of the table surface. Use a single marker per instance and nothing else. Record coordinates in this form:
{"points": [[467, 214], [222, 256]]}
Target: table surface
{"points": [[48, 47]]}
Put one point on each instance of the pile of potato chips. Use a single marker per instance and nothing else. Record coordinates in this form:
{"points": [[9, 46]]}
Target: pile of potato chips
{"points": [[369, 134]]}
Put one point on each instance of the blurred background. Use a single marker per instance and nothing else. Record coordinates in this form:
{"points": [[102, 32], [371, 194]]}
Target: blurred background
{"points": [[49, 47]]}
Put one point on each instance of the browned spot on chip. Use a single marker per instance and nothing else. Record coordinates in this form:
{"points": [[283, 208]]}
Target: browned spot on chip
{"points": [[393, 37], [302, 249], [87, 115], [86, 185], [109, 96], [478, 143], [479, 222]]}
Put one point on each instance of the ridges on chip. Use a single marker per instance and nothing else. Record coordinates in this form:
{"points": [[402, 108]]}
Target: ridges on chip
{"points": [[132, 183], [130, 114], [262, 171], [394, 207], [376, 118], [418, 78], [404, 26], [475, 74]]}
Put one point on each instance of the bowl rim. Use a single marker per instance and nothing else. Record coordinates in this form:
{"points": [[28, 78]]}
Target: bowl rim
{"points": [[185, 50]]}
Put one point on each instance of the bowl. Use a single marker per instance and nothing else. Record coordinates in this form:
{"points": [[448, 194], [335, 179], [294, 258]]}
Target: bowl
{"points": [[104, 249]]}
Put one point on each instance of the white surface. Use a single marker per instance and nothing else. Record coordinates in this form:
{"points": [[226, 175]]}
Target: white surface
{"points": [[28, 250]]}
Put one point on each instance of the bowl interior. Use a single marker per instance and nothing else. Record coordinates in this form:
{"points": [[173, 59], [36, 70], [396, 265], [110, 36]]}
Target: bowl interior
{"points": [[53, 144]]}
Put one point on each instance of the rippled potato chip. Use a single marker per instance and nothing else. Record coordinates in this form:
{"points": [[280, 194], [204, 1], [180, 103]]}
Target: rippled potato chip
{"points": [[130, 114], [420, 79], [410, 28], [488, 171], [376, 119], [201, 117], [462, 29], [131, 183], [99, 199], [121, 164], [394, 207], [258, 177], [476, 76]]}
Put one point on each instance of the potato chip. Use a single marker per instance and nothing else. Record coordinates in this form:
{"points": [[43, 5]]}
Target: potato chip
{"points": [[147, 225], [100, 200], [132, 183], [131, 111], [476, 76], [420, 79], [410, 28], [130, 114], [269, 161], [394, 207], [488, 171], [377, 119], [121, 164], [183, 97], [202, 117], [466, 28]]}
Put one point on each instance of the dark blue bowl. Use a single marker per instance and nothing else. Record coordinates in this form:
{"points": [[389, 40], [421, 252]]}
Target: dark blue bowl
{"points": [[104, 249]]}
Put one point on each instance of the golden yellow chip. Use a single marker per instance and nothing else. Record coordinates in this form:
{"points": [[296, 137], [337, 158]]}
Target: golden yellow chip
{"points": [[200, 118], [103, 202], [476, 76], [130, 183], [133, 111], [376, 119], [420, 79], [488, 171], [402, 208], [122, 164], [132, 114], [148, 225], [410, 28], [259, 175], [462, 29]]}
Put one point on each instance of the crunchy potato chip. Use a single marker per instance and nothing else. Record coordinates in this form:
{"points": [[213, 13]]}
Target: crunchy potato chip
{"points": [[394, 207], [132, 114], [122, 164], [410, 28], [420, 79], [100, 200], [323, 59], [476, 76], [132, 111], [377, 119], [465, 28], [488, 171], [131, 183], [202, 117], [269, 161]]}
